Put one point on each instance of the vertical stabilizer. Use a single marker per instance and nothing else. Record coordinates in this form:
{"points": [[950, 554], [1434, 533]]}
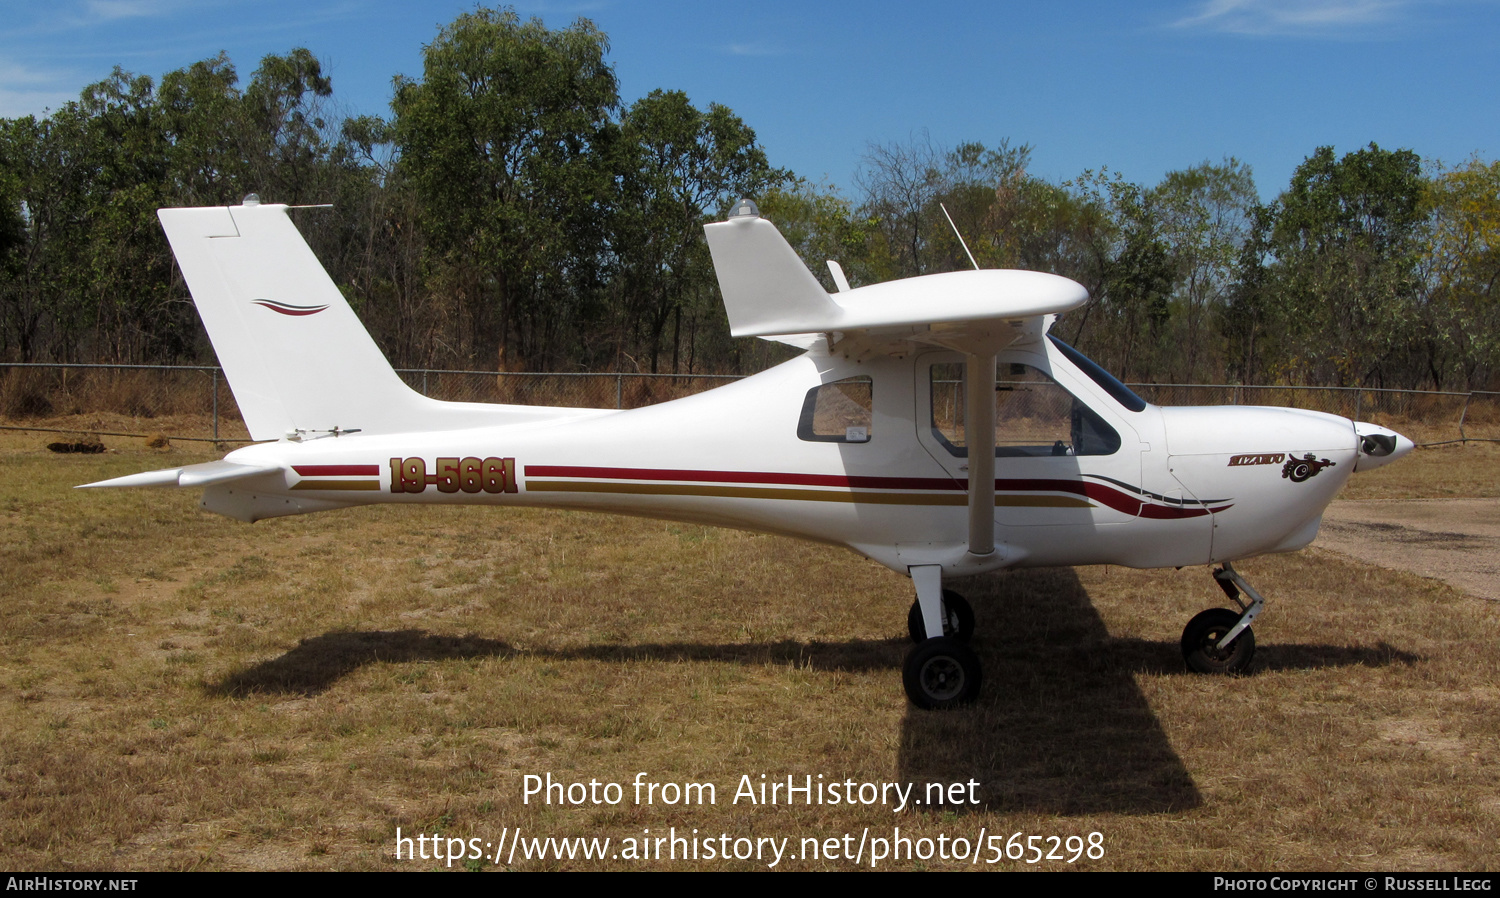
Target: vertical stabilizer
{"points": [[295, 354]]}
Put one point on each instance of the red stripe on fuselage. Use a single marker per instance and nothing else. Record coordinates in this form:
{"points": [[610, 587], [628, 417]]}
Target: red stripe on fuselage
{"points": [[335, 470], [1119, 500], [893, 483]]}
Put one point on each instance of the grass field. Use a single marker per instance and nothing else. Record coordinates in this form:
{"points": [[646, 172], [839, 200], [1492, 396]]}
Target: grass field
{"points": [[180, 691]]}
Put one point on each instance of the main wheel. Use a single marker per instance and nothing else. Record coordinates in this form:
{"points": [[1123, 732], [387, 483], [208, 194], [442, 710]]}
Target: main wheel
{"points": [[941, 673], [960, 624], [1200, 643]]}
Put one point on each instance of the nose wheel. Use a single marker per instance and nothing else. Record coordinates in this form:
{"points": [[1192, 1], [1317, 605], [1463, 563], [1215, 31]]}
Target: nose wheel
{"points": [[1219, 641], [1200, 643]]}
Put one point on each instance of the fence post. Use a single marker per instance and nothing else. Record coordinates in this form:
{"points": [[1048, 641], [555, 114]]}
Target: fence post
{"points": [[424, 381], [1359, 397], [619, 391], [216, 405], [1463, 437]]}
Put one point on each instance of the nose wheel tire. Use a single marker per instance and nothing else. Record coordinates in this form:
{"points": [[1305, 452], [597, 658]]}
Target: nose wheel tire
{"points": [[1200, 643], [941, 673], [960, 623]]}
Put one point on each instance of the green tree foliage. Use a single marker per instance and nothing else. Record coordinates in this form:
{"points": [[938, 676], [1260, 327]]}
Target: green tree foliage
{"points": [[89, 273], [1138, 280], [822, 225], [1040, 226], [1158, 262], [680, 167], [1336, 293], [91, 270], [507, 141], [901, 184], [200, 110], [33, 178], [1204, 217], [1461, 267], [283, 115], [511, 211], [906, 186]]}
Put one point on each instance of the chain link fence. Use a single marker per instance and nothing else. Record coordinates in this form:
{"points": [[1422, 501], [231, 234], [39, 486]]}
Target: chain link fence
{"points": [[610, 390], [1433, 416], [195, 403]]}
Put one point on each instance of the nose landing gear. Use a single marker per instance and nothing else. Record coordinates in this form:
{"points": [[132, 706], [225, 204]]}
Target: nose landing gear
{"points": [[1219, 640]]}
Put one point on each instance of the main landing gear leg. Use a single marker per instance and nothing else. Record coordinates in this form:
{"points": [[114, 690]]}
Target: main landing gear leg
{"points": [[940, 671], [1219, 640]]}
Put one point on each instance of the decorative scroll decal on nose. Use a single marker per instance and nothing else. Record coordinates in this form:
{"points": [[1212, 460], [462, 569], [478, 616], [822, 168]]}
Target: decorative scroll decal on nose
{"points": [[287, 308], [1300, 469]]}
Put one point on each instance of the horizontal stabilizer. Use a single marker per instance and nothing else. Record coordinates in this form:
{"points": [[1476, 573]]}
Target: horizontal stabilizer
{"points": [[767, 290], [205, 474]]}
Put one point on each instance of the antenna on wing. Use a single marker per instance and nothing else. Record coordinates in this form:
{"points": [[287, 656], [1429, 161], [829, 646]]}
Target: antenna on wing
{"points": [[959, 236]]}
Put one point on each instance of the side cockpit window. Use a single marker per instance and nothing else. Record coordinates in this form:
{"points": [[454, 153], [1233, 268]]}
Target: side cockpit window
{"points": [[1034, 415], [838, 412]]}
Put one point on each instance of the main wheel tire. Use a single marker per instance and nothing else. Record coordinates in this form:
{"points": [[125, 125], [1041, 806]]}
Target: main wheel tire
{"points": [[941, 673], [960, 624], [1200, 643]]}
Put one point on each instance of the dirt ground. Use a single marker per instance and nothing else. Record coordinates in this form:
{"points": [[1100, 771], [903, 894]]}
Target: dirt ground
{"points": [[1456, 541]]}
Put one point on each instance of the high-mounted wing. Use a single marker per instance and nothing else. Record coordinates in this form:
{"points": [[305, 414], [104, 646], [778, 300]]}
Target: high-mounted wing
{"points": [[769, 292]]}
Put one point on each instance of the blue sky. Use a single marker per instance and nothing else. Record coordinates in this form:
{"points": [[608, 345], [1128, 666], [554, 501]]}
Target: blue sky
{"points": [[1141, 88]]}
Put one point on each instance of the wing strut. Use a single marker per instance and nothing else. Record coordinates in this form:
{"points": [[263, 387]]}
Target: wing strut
{"points": [[979, 432]]}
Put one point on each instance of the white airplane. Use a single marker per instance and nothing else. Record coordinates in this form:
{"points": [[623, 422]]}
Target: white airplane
{"points": [[867, 440]]}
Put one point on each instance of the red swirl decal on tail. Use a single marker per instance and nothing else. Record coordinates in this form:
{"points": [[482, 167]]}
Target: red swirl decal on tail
{"points": [[287, 308]]}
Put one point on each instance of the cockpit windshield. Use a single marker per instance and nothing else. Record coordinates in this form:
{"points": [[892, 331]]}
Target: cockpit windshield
{"points": [[1108, 382]]}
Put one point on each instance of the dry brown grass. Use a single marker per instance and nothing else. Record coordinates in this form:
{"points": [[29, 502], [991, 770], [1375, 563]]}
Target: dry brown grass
{"points": [[141, 430], [1458, 470], [179, 691], [31, 393]]}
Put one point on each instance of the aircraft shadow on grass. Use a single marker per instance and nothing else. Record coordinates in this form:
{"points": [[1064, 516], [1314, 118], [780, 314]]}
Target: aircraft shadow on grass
{"points": [[1060, 727]]}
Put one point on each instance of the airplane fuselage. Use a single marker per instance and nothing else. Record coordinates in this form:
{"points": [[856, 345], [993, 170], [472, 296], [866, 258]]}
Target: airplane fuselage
{"points": [[1162, 487]]}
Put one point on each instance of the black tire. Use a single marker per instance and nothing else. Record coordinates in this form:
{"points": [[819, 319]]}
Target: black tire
{"points": [[960, 618], [1200, 640], [941, 673]]}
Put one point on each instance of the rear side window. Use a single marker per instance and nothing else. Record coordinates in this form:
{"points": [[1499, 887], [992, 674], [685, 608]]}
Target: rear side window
{"points": [[838, 412]]}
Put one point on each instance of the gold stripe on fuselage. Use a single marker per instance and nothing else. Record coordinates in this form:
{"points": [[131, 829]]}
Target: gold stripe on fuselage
{"points": [[796, 495]]}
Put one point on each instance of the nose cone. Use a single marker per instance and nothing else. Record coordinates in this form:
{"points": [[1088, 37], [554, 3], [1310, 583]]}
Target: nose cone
{"points": [[1379, 446]]}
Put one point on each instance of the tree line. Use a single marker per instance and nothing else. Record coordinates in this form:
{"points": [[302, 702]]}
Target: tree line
{"points": [[512, 213]]}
